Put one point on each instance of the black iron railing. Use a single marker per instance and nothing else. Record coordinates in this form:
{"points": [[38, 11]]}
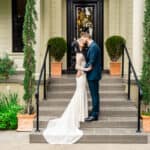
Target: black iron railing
{"points": [[132, 70], [42, 74]]}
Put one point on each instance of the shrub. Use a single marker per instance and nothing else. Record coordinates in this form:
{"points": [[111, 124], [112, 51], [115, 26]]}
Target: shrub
{"points": [[29, 28], [58, 47], [6, 67], [9, 109], [115, 45], [145, 78]]}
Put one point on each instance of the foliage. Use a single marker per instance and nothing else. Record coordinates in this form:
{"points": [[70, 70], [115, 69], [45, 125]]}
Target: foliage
{"points": [[29, 28], [6, 67], [58, 47], [145, 78], [146, 113], [9, 109], [115, 45]]}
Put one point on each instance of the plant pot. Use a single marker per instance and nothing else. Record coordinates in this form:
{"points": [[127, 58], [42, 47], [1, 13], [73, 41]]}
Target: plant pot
{"points": [[56, 69], [25, 122], [146, 123], [115, 68]]}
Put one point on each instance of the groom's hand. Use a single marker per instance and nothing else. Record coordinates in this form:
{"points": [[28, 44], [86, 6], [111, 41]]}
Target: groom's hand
{"points": [[87, 69], [78, 74]]}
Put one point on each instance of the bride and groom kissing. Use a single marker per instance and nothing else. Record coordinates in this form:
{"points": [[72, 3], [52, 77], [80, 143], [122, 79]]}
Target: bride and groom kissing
{"points": [[66, 129]]}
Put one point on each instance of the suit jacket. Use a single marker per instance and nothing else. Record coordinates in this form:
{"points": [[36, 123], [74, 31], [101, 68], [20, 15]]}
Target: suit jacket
{"points": [[94, 59]]}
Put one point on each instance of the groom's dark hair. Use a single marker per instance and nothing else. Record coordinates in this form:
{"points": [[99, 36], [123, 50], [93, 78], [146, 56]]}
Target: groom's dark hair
{"points": [[86, 35]]}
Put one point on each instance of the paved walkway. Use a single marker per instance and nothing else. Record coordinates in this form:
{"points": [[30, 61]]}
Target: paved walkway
{"points": [[12, 140]]}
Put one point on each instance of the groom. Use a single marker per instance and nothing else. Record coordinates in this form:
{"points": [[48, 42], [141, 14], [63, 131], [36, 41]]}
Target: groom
{"points": [[93, 60]]}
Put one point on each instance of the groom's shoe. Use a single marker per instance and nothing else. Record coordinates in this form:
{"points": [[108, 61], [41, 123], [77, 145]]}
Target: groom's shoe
{"points": [[91, 118]]}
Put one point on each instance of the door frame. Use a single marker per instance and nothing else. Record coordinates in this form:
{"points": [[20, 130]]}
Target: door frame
{"points": [[99, 13]]}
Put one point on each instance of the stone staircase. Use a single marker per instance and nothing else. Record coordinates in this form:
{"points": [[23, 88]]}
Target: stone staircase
{"points": [[118, 119]]}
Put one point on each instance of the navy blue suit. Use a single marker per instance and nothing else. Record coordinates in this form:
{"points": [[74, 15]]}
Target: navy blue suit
{"points": [[94, 59]]}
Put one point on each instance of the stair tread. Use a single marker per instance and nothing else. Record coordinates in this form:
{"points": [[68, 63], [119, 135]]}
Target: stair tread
{"points": [[101, 99], [127, 108], [43, 118], [103, 131], [65, 76], [101, 92], [96, 122], [101, 84]]}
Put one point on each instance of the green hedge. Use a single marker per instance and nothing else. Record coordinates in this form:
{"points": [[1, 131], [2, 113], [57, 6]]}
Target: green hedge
{"points": [[9, 109]]}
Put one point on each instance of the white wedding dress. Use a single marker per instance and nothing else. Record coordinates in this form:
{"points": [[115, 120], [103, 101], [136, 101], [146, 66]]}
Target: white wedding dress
{"points": [[65, 130]]}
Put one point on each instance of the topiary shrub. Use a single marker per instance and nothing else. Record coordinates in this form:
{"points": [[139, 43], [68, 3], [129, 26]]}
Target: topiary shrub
{"points": [[29, 28], [58, 47], [6, 67], [115, 45], [145, 78]]}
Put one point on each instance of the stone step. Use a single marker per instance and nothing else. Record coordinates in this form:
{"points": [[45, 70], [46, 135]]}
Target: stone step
{"points": [[103, 103], [104, 112], [102, 135], [104, 118], [106, 108], [126, 123], [73, 81], [111, 94], [69, 87]]}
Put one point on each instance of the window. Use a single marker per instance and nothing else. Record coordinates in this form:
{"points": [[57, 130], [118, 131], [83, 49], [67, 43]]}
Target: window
{"points": [[18, 12], [84, 20]]}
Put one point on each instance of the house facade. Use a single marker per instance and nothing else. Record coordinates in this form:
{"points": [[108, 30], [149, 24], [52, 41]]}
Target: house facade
{"points": [[67, 18]]}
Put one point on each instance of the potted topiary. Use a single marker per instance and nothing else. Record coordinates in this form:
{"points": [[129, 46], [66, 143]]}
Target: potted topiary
{"points": [[145, 78], [115, 45], [25, 120], [7, 67], [58, 47]]}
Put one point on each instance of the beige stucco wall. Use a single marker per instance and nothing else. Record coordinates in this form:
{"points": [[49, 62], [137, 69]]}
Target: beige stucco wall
{"points": [[18, 89], [5, 27], [118, 21]]}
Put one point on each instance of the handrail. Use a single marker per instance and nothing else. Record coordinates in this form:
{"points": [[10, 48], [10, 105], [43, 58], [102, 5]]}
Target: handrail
{"points": [[140, 92], [43, 70]]}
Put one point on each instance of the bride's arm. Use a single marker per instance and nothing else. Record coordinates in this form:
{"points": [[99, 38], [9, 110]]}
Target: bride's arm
{"points": [[78, 62], [79, 67]]}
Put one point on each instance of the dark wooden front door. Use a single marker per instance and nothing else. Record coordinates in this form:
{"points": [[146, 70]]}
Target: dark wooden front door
{"points": [[83, 16]]}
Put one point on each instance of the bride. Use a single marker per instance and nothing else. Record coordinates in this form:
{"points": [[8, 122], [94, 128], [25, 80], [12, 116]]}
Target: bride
{"points": [[65, 130]]}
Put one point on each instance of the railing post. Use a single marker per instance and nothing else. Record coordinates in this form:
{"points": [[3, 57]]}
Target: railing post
{"points": [[139, 110], [122, 63], [129, 81], [37, 111], [44, 86]]}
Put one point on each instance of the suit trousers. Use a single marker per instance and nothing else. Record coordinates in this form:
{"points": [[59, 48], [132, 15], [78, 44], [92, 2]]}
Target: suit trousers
{"points": [[94, 91]]}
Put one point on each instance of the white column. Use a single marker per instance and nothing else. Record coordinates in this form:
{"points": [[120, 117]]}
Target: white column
{"points": [[114, 17], [138, 16], [38, 39], [56, 17]]}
